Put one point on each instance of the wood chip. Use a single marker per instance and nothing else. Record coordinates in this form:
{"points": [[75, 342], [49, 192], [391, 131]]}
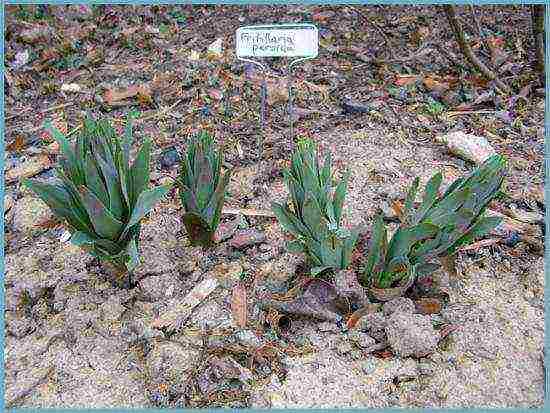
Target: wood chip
{"points": [[239, 305], [180, 310]]}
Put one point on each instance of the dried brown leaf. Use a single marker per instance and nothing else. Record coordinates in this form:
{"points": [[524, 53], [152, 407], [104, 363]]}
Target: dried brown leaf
{"points": [[116, 95], [239, 305]]}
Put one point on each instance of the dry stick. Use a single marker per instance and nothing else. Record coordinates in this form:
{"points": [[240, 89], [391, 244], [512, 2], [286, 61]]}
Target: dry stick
{"points": [[467, 50]]}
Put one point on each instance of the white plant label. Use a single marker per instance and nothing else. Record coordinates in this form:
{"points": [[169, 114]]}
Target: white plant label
{"points": [[283, 40]]}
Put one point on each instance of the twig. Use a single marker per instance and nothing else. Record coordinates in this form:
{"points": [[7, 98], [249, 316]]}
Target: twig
{"points": [[52, 108], [480, 244], [420, 52], [248, 212], [467, 50], [469, 112]]}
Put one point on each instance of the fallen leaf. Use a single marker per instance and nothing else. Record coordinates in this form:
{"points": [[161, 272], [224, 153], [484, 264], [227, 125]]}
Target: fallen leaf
{"points": [[30, 167], [36, 33], [428, 305], [180, 310], [434, 85], [239, 305], [404, 80], [17, 145], [398, 209], [112, 96], [323, 16], [384, 354], [49, 223], [216, 94]]}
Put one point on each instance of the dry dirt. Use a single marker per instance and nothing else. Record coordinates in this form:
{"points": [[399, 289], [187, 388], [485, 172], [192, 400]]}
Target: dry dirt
{"points": [[81, 342]]}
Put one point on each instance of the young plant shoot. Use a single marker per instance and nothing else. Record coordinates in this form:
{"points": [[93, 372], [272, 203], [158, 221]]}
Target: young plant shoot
{"points": [[314, 211], [202, 189], [100, 196], [436, 228]]}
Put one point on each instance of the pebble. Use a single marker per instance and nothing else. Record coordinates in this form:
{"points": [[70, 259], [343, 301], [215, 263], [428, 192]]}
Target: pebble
{"points": [[169, 158], [368, 366]]}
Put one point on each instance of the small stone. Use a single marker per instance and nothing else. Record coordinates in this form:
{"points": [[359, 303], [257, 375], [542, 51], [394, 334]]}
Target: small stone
{"points": [[169, 158], [112, 310], [8, 202], [411, 334], [343, 347], [426, 368], [399, 304], [30, 211], [248, 338], [351, 106], [209, 314], [247, 237], [363, 340], [368, 366], [374, 324]]}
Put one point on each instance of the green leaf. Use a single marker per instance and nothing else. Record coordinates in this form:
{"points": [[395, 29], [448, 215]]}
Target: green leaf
{"points": [[283, 215], [214, 208], [110, 174], [66, 151], [80, 238], [400, 244], [133, 255], [423, 231], [315, 271], [139, 172], [295, 247], [347, 249], [409, 201], [198, 230], [430, 196], [60, 201], [127, 141], [93, 180], [481, 228], [105, 224], [376, 249], [339, 196], [145, 202]]}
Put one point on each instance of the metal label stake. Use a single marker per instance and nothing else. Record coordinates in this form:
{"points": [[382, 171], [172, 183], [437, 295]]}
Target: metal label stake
{"points": [[281, 40]]}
